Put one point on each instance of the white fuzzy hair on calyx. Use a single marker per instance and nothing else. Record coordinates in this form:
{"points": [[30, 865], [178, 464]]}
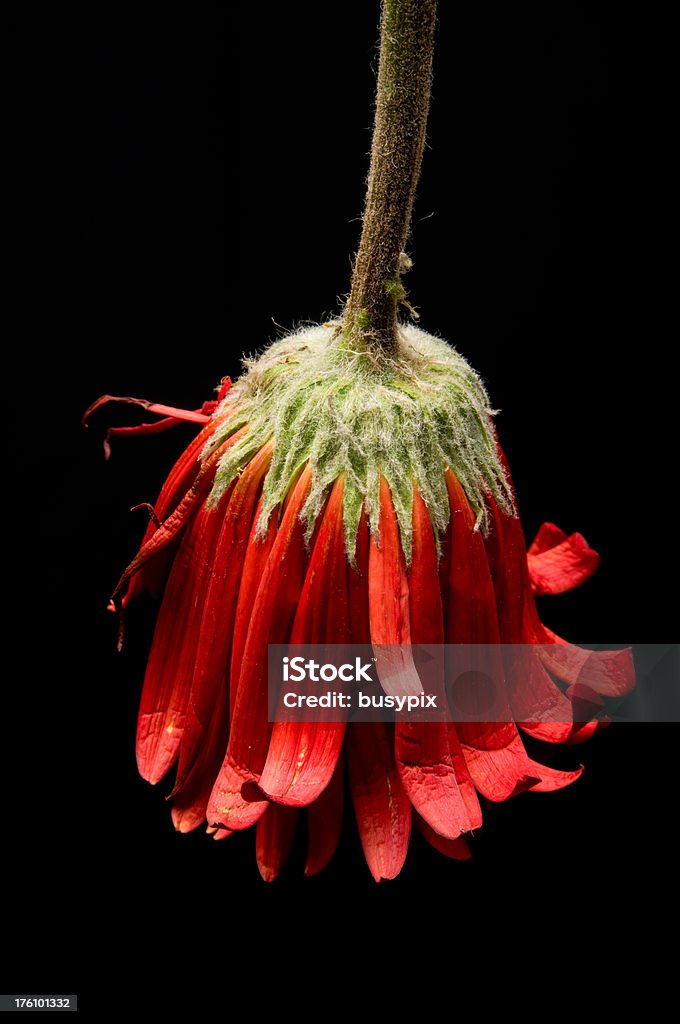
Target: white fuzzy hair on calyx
{"points": [[407, 418]]}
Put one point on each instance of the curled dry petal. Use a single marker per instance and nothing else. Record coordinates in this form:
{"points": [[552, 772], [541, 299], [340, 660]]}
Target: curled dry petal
{"points": [[558, 563]]}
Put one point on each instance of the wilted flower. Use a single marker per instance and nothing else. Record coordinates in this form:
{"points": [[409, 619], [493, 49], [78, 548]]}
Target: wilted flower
{"points": [[331, 500], [350, 488]]}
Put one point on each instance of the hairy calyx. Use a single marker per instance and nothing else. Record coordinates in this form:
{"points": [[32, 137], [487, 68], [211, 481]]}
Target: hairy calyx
{"points": [[407, 418]]}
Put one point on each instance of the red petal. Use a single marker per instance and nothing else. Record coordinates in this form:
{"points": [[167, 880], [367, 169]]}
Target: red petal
{"points": [[464, 778], [273, 840], [456, 849], [493, 751], [389, 602], [506, 557], [271, 621], [188, 415], [302, 755], [425, 604], [387, 579], [427, 773], [551, 779], [257, 555], [541, 708], [184, 415], [563, 567], [167, 683], [177, 484], [225, 384], [532, 693], [457, 756], [585, 732], [495, 755], [140, 429], [519, 623], [190, 805], [472, 605], [548, 536], [172, 526], [609, 673], [422, 748], [382, 809], [191, 802], [358, 587], [551, 715], [182, 474], [570, 733], [324, 823], [208, 704]]}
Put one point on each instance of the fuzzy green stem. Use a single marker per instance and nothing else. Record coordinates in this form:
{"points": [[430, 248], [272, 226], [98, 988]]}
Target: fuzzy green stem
{"points": [[402, 102]]}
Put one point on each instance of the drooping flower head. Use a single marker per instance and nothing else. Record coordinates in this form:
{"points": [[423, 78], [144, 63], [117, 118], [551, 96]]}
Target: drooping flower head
{"points": [[350, 489], [322, 505]]}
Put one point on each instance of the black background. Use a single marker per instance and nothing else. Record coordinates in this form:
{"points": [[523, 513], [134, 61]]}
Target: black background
{"points": [[184, 183]]}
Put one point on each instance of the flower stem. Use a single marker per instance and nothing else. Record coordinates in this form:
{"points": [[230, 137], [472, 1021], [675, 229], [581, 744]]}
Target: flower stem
{"points": [[402, 102]]}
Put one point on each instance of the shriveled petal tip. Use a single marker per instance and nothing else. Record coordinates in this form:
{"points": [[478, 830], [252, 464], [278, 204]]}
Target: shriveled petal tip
{"points": [[558, 563], [187, 415], [172, 417], [550, 779], [274, 838], [455, 849]]}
